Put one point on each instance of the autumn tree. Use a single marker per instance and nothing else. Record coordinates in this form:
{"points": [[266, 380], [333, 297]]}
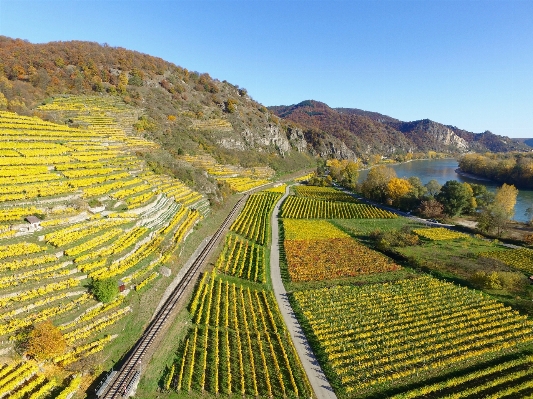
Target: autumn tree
{"points": [[497, 215], [506, 198], [397, 189], [472, 203], [344, 172], [375, 184], [431, 209], [45, 341]]}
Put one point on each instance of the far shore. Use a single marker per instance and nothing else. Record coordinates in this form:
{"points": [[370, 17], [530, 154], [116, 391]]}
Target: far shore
{"points": [[471, 176], [401, 163]]}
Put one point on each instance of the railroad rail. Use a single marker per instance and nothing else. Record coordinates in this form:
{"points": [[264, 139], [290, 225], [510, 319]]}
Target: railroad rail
{"points": [[121, 383]]}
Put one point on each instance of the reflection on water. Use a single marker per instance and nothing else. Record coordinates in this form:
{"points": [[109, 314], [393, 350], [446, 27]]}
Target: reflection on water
{"points": [[443, 170]]}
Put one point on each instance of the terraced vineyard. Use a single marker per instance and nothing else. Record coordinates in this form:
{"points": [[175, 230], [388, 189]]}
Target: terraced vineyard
{"points": [[239, 179], [238, 343], [76, 206], [377, 335]]}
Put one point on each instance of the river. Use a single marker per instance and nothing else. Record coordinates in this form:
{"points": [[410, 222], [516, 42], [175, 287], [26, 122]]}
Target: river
{"points": [[443, 170]]}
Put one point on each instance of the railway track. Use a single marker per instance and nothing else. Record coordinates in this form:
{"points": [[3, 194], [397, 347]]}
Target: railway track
{"points": [[121, 383]]}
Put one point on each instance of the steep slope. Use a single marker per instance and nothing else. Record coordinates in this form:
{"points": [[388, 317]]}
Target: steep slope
{"points": [[185, 111]]}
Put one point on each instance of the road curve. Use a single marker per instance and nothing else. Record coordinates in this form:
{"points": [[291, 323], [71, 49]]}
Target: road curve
{"points": [[314, 372]]}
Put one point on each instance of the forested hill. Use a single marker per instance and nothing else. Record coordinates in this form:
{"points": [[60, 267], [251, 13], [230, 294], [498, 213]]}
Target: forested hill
{"points": [[185, 111], [188, 112], [362, 130]]}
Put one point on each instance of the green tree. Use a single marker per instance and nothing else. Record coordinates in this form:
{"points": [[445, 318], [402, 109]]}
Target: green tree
{"points": [[483, 196], [105, 290], [493, 218], [320, 166], [455, 197], [433, 187], [375, 184], [418, 190]]}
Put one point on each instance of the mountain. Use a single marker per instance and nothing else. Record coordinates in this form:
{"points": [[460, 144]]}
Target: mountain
{"points": [[526, 141], [188, 112], [367, 132]]}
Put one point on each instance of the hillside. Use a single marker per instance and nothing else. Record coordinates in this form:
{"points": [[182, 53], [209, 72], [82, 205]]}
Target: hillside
{"points": [[184, 111], [188, 112], [367, 132]]}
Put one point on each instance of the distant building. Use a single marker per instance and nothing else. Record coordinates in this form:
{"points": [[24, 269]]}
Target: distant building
{"points": [[35, 223]]}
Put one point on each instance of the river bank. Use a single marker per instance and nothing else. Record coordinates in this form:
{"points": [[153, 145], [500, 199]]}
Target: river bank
{"points": [[472, 176]]}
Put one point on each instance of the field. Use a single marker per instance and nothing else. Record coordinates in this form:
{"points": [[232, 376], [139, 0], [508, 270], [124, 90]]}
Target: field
{"points": [[323, 193], [238, 343], [399, 333], [243, 258], [379, 335], [520, 259], [97, 213], [316, 250], [309, 208], [252, 222]]}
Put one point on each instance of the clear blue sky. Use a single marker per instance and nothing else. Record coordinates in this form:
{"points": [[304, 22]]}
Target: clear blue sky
{"points": [[463, 63]]}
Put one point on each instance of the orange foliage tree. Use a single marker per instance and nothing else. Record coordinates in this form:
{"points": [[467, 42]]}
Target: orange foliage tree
{"points": [[45, 341]]}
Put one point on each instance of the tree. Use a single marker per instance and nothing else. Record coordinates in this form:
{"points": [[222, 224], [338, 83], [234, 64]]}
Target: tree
{"points": [[45, 341], [472, 203], [397, 189], [431, 209], [418, 190], [375, 184], [433, 187], [497, 215], [492, 218], [320, 166], [344, 172], [455, 197], [350, 174], [506, 198], [105, 290], [529, 214], [483, 196]]}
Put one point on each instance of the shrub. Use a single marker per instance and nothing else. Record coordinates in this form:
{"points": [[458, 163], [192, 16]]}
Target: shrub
{"points": [[105, 290]]}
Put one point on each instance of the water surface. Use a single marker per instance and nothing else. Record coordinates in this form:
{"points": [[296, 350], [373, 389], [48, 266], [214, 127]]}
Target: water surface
{"points": [[443, 170]]}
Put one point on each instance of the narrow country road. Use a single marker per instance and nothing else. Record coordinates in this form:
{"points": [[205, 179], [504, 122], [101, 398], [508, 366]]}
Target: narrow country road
{"points": [[313, 370]]}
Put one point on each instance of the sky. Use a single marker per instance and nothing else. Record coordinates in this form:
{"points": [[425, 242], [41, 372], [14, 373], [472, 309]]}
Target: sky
{"points": [[463, 63]]}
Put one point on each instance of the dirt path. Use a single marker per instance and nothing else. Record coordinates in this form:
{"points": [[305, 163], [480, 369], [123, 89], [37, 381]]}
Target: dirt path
{"points": [[313, 370]]}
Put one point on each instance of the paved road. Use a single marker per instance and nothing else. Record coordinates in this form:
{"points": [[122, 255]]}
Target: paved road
{"points": [[313, 370]]}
